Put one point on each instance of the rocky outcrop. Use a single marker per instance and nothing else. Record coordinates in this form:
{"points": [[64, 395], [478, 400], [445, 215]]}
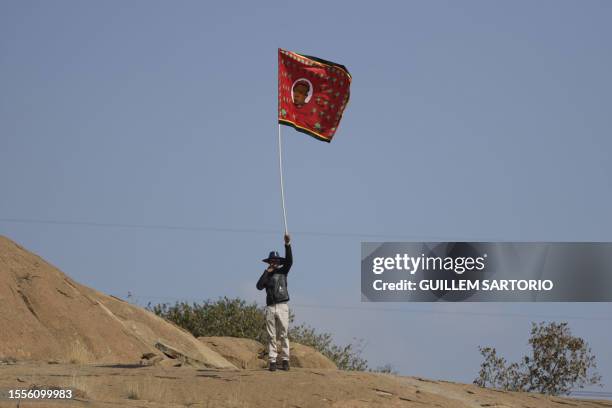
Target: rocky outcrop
{"points": [[46, 316], [247, 353]]}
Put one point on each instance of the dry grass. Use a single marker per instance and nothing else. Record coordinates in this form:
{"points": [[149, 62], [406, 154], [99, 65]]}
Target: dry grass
{"points": [[133, 392], [236, 402], [79, 386], [8, 360], [148, 389], [239, 398], [78, 353]]}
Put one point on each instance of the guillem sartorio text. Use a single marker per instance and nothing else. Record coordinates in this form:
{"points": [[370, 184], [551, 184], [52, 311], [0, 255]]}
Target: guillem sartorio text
{"points": [[458, 265]]}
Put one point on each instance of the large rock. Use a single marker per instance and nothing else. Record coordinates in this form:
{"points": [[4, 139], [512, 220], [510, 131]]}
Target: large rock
{"points": [[307, 357], [47, 316], [243, 353], [247, 353]]}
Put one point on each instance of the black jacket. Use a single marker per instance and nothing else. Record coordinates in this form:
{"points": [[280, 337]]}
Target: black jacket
{"points": [[275, 282]]}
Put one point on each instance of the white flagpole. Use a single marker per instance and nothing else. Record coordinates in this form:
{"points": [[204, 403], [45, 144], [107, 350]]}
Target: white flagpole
{"points": [[280, 166]]}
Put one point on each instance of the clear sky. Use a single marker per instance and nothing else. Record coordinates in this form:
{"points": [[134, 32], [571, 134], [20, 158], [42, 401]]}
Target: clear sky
{"points": [[471, 120]]}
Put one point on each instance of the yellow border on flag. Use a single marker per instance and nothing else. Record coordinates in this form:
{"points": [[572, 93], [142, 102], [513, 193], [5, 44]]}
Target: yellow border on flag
{"points": [[309, 132]]}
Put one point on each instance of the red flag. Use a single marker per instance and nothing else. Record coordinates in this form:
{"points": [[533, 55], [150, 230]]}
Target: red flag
{"points": [[312, 94]]}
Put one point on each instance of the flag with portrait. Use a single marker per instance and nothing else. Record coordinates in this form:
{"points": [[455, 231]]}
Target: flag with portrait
{"points": [[312, 94]]}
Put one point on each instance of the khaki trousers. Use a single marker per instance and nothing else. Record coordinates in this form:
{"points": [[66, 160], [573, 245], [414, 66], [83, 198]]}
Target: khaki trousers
{"points": [[277, 325]]}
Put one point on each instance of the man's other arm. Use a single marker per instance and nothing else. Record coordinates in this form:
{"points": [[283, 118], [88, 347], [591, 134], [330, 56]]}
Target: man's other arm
{"points": [[263, 280]]}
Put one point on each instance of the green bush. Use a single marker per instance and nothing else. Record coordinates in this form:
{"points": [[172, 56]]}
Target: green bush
{"points": [[224, 317], [236, 318], [559, 363]]}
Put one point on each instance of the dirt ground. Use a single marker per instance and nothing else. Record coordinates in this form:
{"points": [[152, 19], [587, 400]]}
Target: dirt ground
{"points": [[156, 387]]}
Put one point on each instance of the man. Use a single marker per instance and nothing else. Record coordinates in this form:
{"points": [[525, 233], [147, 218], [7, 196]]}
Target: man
{"points": [[274, 280]]}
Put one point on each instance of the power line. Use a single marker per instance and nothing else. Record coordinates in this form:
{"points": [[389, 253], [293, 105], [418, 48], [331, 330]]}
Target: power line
{"points": [[417, 311], [602, 394], [266, 231], [466, 313], [231, 230], [133, 226]]}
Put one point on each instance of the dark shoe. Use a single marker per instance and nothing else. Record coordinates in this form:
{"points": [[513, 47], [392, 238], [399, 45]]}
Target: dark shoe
{"points": [[285, 365], [272, 366]]}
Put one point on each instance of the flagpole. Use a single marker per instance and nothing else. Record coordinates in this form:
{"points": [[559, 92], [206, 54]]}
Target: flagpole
{"points": [[280, 166]]}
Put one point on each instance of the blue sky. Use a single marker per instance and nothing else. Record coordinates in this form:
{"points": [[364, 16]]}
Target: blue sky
{"points": [[470, 120]]}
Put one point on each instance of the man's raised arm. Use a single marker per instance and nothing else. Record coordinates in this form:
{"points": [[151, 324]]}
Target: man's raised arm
{"points": [[288, 254]]}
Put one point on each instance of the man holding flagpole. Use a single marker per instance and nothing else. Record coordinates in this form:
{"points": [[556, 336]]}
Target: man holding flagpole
{"points": [[312, 96], [274, 280]]}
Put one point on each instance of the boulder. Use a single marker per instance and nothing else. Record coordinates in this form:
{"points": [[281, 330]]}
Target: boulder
{"points": [[248, 353], [308, 357], [243, 353]]}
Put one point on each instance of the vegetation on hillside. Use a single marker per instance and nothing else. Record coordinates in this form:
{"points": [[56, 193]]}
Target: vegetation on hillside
{"points": [[237, 318], [559, 363]]}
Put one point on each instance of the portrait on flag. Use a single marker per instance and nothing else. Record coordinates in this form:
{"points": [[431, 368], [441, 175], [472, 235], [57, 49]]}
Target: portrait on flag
{"points": [[312, 94]]}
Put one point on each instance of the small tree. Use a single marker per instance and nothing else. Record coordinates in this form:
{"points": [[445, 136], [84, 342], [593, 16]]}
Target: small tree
{"points": [[559, 362]]}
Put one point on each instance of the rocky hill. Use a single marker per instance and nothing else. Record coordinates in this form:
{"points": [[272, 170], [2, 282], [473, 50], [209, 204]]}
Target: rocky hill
{"points": [[56, 334], [46, 316]]}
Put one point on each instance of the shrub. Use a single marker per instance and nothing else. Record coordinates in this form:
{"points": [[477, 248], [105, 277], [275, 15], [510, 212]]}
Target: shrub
{"points": [[237, 318], [559, 362], [384, 369], [224, 317]]}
